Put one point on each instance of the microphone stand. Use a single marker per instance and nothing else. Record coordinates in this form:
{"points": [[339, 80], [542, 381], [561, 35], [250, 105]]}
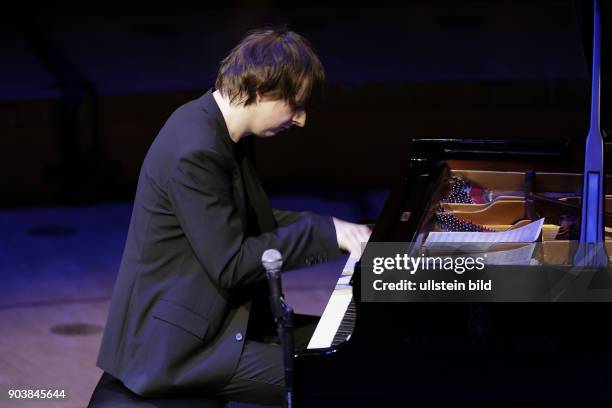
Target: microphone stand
{"points": [[272, 261]]}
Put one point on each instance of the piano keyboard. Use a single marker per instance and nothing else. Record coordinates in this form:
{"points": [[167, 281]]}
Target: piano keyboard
{"points": [[338, 319], [346, 325]]}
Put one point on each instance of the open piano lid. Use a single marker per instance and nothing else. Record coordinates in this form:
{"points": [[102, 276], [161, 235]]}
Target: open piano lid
{"points": [[517, 147]]}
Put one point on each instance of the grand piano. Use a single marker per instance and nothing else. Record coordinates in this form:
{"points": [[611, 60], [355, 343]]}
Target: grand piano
{"points": [[476, 354]]}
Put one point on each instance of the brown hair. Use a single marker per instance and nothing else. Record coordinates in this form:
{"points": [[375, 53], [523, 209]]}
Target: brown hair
{"points": [[276, 63]]}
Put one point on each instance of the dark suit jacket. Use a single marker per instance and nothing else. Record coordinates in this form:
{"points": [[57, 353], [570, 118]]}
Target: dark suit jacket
{"points": [[178, 315]]}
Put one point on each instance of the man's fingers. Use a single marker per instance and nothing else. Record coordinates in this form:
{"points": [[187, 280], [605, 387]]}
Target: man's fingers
{"points": [[364, 235], [351, 236], [357, 241]]}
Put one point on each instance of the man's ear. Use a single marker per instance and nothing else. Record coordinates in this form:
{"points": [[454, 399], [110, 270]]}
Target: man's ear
{"points": [[257, 97]]}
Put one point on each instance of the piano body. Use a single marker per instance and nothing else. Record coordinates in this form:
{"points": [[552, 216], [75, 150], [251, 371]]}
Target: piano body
{"points": [[537, 354]]}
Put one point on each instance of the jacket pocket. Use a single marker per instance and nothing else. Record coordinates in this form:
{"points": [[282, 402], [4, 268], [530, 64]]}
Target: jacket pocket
{"points": [[178, 315]]}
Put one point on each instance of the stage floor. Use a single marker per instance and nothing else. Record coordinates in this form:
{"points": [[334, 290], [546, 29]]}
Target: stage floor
{"points": [[58, 266]]}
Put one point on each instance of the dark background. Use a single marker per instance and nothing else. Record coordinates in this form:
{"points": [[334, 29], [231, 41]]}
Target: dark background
{"points": [[85, 86]]}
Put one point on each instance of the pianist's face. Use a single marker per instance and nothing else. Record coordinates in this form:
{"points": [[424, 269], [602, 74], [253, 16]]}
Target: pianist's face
{"points": [[273, 116]]}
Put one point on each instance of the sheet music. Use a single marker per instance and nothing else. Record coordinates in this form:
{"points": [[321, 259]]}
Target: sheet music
{"points": [[527, 233], [518, 256]]}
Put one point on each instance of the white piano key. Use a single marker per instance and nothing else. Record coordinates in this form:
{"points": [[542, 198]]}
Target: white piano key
{"points": [[335, 309]]}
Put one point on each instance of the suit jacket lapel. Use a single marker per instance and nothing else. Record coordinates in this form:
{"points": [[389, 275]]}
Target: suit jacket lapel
{"points": [[256, 196], [253, 204], [240, 198]]}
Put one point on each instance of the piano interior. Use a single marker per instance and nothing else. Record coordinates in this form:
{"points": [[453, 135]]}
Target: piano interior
{"points": [[470, 199]]}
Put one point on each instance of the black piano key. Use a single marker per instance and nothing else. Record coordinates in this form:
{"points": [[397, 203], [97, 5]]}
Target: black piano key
{"points": [[346, 325]]}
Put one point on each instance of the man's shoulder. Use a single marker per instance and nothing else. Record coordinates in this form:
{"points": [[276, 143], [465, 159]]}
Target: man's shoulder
{"points": [[195, 117], [191, 135], [195, 126]]}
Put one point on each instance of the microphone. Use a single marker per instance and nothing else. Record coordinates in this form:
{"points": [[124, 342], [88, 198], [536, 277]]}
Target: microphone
{"points": [[272, 261]]}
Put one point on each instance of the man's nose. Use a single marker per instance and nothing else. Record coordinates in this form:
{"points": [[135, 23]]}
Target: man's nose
{"points": [[299, 119]]}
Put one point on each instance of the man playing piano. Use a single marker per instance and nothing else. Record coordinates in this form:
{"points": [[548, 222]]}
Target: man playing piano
{"points": [[188, 313]]}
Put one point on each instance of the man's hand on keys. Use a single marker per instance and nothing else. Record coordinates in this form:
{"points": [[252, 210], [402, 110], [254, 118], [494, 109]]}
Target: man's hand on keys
{"points": [[350, 236]]}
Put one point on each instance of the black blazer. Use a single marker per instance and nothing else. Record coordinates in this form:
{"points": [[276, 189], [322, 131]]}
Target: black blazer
{"points": [[178, 314]]}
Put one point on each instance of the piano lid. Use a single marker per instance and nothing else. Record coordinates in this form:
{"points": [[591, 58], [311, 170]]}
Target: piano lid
{"points": [[550, 114]]}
